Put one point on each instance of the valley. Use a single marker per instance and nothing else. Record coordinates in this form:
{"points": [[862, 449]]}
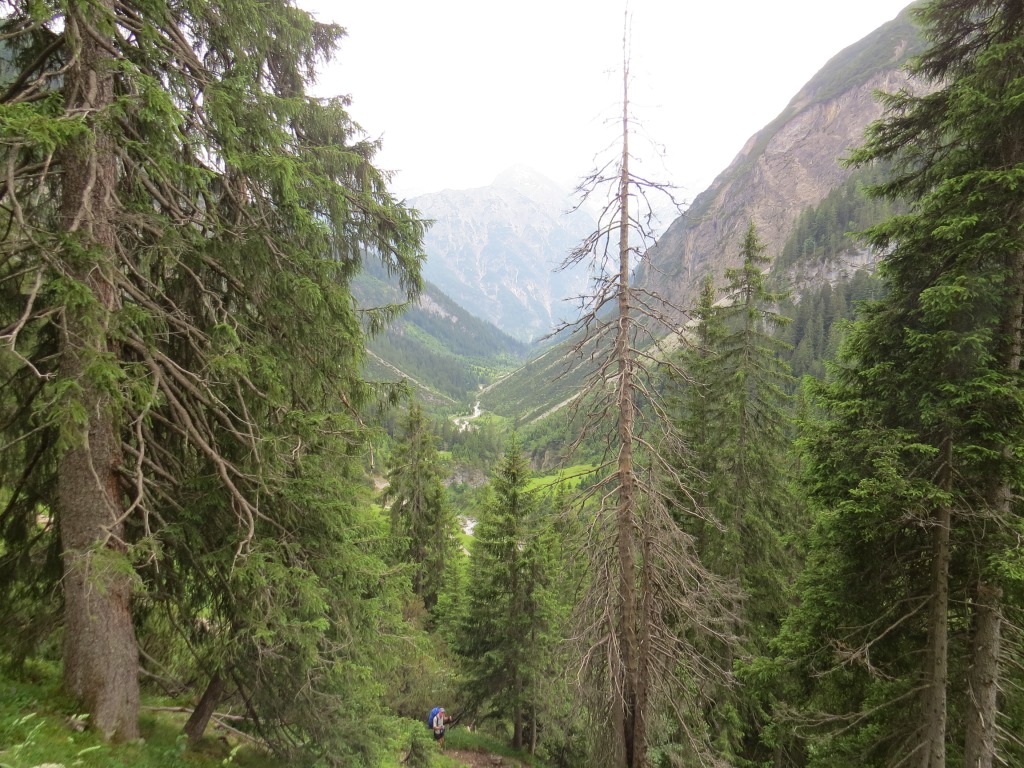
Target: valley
{"points": [[295, 471]]}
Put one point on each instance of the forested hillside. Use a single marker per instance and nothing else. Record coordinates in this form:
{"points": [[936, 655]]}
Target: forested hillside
{"points": [[447, 353], [828, 270], [267, 498]]}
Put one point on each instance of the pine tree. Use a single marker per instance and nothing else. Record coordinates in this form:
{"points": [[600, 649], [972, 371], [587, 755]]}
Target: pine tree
{"points": [[696, 408], [422, 524], [919, 458], [749, 385], [181, 223]]}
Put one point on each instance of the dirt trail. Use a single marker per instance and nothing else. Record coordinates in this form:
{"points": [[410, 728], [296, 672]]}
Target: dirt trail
{"points": [[482, 759]]}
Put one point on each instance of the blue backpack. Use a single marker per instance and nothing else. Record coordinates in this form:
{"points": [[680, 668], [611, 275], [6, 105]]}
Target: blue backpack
{"points": [[431, 716]]}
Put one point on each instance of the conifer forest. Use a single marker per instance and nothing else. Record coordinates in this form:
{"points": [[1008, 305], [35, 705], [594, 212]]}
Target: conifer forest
{"points": [[261, 505]]}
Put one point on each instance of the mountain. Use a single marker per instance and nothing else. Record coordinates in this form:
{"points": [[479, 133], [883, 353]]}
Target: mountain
{"points": [[494, 250], [788, 179], [445, 352], [791, 164]]}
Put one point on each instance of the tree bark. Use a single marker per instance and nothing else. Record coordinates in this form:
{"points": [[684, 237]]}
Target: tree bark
{"points": [[933, 754], [986, 641], [517, 712], [100, 651], [634, 739], [983, 678], [533, 730], [200, 717], [626, 524]]}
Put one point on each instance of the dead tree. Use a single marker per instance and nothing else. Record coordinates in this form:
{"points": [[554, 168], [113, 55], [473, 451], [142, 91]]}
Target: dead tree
{"points": [[649, 604]]}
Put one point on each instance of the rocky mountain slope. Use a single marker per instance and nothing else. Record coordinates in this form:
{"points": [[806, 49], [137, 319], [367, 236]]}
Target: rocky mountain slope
{"points": [[494, 249], [791, 164]]}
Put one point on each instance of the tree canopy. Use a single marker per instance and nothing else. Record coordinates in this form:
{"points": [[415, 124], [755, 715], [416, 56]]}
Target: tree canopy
{"points": [[919, 454], [182, 223]]}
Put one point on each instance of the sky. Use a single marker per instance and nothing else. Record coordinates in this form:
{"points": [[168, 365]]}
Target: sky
{"points": [[460, 90]]}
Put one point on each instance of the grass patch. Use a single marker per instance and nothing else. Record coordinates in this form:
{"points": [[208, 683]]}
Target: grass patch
{"points": [[36, 728], [478, 741], [569, 478]]}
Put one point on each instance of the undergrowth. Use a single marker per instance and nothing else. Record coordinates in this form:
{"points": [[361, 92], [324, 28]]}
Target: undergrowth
{"points": [[39, 726]]}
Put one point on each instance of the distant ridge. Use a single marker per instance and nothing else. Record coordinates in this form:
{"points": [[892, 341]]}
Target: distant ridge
{"points": [[443, 351]]}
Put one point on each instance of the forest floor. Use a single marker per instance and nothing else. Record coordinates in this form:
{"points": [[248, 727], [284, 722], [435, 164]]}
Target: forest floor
{"points": [[473, 759], [40, 726]]}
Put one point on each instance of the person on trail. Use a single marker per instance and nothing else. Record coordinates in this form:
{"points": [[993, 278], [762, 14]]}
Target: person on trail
{"points": [[438, 724]]}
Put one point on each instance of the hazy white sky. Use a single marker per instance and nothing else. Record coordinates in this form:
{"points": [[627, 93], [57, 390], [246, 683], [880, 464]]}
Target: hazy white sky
{"points": [[462, 89]]}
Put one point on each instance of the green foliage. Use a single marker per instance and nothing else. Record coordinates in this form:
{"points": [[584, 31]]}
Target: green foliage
{"points": [[543, 385], [734, 415], [479, 446], [227, 351], [823, 237], [924, 416], [421, 752], [820, 319], [512, 614], [423, 526], [824, 233], [435, 343], [487, 744], [39, 726]]}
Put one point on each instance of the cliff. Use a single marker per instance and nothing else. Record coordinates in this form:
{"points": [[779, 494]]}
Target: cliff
{"points": [[792, 163]]}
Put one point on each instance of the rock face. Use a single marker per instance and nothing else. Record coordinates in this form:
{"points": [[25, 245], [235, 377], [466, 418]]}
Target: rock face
{"points": [[494, 250], [791, 164]]}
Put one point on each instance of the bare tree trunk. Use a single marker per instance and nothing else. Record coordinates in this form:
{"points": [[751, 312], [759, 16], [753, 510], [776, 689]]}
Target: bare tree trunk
{"points": [[640, 560], [933, 753], [100, 652], [200, 718], [517, 714], [986, 642], [983, 678], [627, 503], [645, 664]]}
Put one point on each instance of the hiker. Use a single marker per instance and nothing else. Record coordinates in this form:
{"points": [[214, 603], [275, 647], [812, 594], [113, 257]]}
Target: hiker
{"points": [[438, 723]]}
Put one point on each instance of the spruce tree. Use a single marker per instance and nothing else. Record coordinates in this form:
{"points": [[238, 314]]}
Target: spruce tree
{"points": [[734, 414], [181, 224], [423, 525], [916, 472], [507, 632], [747, 384]]}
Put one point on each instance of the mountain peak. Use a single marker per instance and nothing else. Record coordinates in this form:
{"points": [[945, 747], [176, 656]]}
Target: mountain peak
{"points": [[493, 250], [531, 184]]}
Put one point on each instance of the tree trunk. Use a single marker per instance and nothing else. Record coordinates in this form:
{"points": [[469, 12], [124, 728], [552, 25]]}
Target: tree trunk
{"points": [[533, 730], [632, 717], [983, 678], [645, 664], [517, 716], [933, 752], [986, 642], [100, 652], [200, 718]]}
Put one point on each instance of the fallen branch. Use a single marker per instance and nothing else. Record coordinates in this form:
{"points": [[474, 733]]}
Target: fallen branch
{"points": [[189, 711]]}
